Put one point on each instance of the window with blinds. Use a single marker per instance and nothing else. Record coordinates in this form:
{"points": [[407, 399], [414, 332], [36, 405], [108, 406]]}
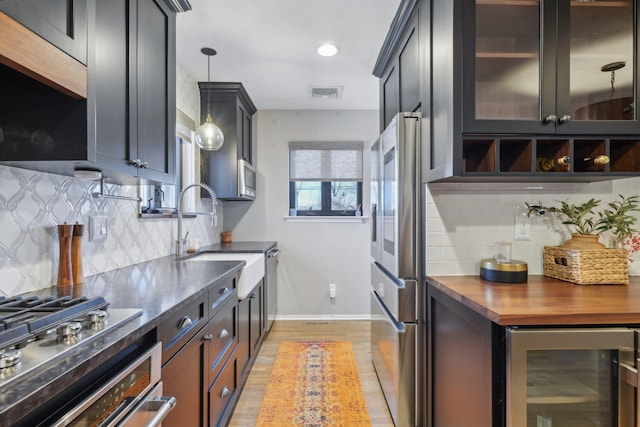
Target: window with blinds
{"points": [[325, 178]]}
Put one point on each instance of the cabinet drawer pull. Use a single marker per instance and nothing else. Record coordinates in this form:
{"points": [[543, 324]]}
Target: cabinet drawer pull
{"points": [[207, 337], [225, 392], [224, 290], [223, 334], [184, 323]]}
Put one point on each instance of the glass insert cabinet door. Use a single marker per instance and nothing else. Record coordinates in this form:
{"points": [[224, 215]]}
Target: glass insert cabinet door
{"points": [[599, 39], [569, 377], [551, 66]]}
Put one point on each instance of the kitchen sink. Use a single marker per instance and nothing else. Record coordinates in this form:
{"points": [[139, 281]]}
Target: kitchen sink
{"points": [[250, 274]]}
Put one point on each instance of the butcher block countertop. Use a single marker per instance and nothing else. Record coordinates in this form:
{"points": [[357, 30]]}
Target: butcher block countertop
{"points": [[544, 301]]}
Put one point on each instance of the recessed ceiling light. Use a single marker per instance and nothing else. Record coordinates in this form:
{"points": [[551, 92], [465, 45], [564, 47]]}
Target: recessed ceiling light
{"points": [[328, 49]]}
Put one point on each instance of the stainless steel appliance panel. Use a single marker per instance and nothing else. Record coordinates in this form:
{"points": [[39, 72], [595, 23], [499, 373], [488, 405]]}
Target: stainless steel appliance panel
{"points": [[569, 377], [131, 395], [376, 205], [398, 295], [271, 294], [246, 181], [401, 196], [393, 349]]}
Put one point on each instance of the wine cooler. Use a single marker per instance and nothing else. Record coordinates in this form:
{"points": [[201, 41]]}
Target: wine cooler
{"points": [[571, 377]]}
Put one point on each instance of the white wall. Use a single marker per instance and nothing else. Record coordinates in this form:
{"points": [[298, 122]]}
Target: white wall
{"points": [[317, 253], [464, 221]]}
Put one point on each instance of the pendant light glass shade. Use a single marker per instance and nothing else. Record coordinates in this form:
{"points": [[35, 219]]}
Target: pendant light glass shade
{"points": [[209, 136]]}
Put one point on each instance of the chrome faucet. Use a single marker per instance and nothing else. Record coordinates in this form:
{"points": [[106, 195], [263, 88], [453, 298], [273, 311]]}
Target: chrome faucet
{"points": [[180, 242]]}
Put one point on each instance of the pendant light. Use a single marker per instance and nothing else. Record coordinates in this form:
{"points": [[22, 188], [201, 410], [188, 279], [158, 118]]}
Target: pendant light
{"points": [[209, 136]]}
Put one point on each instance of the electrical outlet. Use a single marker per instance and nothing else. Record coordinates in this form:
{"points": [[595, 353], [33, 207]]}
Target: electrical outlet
{"points": [[332, 290], [522, 227], [98, 227]]}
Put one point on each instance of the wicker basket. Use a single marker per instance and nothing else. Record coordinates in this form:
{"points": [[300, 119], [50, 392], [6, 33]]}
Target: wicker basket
{"points": [[587, 266]]}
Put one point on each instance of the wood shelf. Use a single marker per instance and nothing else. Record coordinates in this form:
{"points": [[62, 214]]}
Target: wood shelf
{"points": [[503, 155], [546, 388]]}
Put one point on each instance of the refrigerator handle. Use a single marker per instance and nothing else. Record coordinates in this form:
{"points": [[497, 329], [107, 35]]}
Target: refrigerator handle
{"points": [[629, 375], [374, 224]]}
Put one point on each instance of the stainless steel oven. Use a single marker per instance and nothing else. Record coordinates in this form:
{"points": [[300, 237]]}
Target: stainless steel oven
{"points": [[130, 398]]}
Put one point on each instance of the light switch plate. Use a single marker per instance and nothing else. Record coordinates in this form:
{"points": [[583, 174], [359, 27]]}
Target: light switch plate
{"points": [[98, 226]]}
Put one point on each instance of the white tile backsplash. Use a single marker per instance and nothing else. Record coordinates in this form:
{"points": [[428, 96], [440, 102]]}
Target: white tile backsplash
{"points": [[33, 203], [464, 220]]}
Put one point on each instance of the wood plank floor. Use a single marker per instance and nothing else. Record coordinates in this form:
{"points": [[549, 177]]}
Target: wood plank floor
{"points": [[248, 407]]}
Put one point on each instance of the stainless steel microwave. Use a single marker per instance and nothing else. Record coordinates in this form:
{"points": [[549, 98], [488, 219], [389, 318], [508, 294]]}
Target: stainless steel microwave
{"points": [[246, 180]]}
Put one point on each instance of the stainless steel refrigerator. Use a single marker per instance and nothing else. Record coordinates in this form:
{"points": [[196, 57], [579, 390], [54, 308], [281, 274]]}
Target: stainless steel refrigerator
{"points": [[397, 267]]}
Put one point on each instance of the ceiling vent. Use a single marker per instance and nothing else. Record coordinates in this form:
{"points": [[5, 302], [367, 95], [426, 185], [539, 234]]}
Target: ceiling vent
{"points": [[326, 92]]}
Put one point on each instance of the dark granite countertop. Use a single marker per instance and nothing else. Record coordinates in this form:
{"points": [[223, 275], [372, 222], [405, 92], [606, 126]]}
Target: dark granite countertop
{"points": [[158, 287]]}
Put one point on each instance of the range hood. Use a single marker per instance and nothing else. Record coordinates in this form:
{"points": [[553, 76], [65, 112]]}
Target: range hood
{"points": [[28, 53]]}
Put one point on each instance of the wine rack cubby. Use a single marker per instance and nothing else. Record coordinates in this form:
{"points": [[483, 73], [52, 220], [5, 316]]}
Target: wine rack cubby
{"points": [[547, 157]]}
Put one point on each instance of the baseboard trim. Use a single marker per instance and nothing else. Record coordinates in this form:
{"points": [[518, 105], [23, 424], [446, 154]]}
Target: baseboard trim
{"points": [[297, 317]]}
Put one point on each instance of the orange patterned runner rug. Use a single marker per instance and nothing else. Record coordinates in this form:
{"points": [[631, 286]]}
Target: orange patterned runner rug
{"points": [[314, 384]]}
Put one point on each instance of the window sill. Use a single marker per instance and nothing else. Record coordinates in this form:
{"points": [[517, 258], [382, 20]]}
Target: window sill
{"points": [[326, 218]]}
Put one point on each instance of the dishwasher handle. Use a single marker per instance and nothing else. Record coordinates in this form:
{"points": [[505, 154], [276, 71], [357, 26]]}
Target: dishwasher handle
{"points": [[274, 253]]}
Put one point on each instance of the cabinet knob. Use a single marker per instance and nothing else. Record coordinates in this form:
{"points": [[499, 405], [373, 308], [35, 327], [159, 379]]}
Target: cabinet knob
{"points": [[135, 162], [184, 323], [207, 337], [144, 165], [225, 392], [223, 334], [564, 119], [224, 290], [253, 295], [551, 118]]}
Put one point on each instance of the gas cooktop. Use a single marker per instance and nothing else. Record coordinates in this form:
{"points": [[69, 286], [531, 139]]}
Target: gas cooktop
{"points": [[36, 331]]}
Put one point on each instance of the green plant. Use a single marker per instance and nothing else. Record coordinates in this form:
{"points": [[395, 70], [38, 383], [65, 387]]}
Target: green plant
{"points": [[585, 220]]}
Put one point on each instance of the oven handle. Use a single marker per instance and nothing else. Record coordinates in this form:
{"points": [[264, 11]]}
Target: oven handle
{"points": [[399, 327], [162, 406]]}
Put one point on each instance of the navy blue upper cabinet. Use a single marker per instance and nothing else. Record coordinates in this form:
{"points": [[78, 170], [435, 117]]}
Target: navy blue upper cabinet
{"points": [[547, 67], [132, 89], [515, 82], [399, 63], [62, 23]]}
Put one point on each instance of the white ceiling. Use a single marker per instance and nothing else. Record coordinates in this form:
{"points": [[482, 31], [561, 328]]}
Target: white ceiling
{"points": [[270, 46]]}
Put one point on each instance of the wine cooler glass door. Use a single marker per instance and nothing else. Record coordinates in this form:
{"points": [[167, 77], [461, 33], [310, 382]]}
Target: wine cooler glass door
{"points": [[568, 377]]}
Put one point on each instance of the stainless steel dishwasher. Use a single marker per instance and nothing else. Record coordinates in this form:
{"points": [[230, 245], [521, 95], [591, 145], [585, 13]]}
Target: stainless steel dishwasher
{"points": [[271, 277]]}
